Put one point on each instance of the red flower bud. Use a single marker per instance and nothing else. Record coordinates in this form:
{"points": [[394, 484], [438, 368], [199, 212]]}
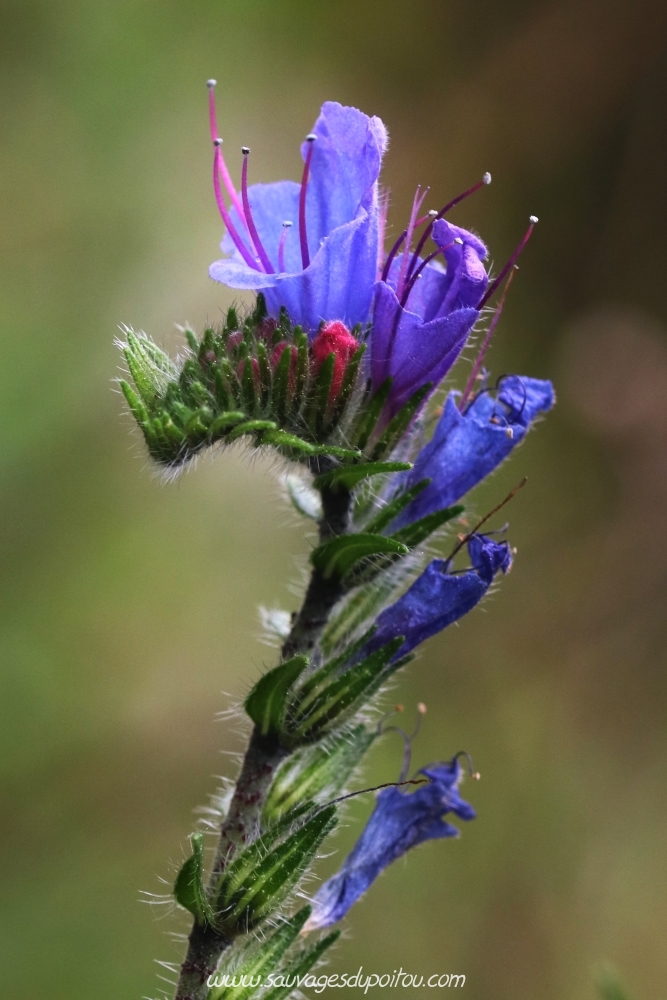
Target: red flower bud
{"points": [[333, 338]]}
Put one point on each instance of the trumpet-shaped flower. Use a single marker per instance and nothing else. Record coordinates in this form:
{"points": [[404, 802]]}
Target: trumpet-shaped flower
{"points": [[401, 820], [466, 447]]}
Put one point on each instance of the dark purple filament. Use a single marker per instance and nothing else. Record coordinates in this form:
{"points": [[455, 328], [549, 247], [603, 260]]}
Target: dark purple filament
{"points": [[397, 246], [443, 211], [247, 256], [494, 284], [303, 235], [485, 346], [252, 228]]}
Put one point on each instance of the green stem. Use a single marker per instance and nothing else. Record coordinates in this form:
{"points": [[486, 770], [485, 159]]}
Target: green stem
{"points": [[263, 757]]}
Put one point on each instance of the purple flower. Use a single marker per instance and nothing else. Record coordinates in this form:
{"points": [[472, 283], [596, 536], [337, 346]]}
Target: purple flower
{"points": [[438, 598], [467, 446], [401, 820], [423, 314], [325, 266]]}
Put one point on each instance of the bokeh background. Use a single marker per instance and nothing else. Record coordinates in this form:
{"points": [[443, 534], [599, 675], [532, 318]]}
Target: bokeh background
{"points": [[129, 606]]}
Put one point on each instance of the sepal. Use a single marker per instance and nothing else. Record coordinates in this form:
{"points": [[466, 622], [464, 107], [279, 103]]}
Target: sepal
{"points": [[189, 889], [266, 702], [300, 967], [348, 478], [339, 555]]}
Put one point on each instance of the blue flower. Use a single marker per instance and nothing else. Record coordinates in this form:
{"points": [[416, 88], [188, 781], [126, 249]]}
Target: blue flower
{"points": [[438, 598], [401, 820], [325, 266], [423, 314], [467, 446]]}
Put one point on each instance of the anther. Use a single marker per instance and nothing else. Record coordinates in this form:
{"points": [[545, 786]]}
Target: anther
{"points": [[457, 239], [486, 178], [211, 84], [433, 212], [217, 142], [311, 137], [245, 150], [533, 219]]}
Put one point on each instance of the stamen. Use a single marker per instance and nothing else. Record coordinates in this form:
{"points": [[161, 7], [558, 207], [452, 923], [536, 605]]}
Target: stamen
{"points": [[486, 179], [222, 166], [466, 538], [252, 228], [473, 773], [487, 340], [510, 263], [303, 235], [397, 245], [247, 256], [382, 226], [281, 246], [416, 205], [412, 281]]}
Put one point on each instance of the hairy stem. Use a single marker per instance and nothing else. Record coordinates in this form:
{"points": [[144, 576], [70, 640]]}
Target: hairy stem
{"points": [[263, 757]]}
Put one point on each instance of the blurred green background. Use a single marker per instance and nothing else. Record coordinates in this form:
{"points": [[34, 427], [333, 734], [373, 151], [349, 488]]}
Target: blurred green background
{"points": [[129, 606]]}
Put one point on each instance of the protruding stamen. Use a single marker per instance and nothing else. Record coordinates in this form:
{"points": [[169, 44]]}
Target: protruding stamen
{"points": [[485, 346], [471, 771], [303, 234], [510, 263], [281, 246], [252, 228], [231, 229], [383, 204], [486, 179], [399, 242], [416, 205], [222, 166]]}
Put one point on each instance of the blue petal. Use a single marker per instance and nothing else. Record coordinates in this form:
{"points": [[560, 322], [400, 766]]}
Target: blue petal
{"points": [[345, 167], [466, 447], [401, 820], [338, 284], [271, 205], [468, 277], [438, 598], [412, 352]]}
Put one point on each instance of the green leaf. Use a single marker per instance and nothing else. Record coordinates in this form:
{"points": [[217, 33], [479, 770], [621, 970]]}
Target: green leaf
{"points": [[282, 439], [338, 556], [251, 427], [343, 696], [348, 477], [317, 773], [414, 534], [266, 702], [399, 424], [189, 885], [259, 959], [395, 506], [371, 414], [299, 967], [316, 410], [256, 883]]}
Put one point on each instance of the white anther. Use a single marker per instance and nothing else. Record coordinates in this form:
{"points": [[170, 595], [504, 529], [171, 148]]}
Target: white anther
{"points": [[217, 142], [211, 83], [534, 219], [433, 212], [286, 224], [245, 150], [457, 239], [486, 179], [311, 137]]}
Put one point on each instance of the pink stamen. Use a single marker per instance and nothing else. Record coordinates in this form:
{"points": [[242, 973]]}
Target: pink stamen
{"points": [[412, 281], [281, 247], [247, 256], [494, 284], [303, 234], [486, 179], [222, 166], [485, 346], [252, 228], [416, 205]]}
